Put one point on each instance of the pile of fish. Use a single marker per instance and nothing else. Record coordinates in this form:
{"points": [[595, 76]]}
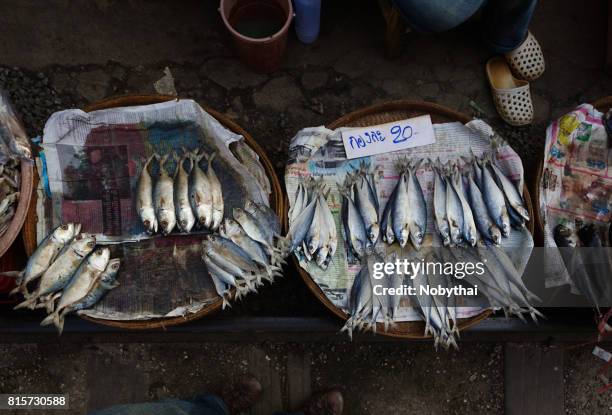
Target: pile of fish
{"points": [[14, 146], [247, 251], [72, 274], [312, 228], [500, 285], [190, 197]]}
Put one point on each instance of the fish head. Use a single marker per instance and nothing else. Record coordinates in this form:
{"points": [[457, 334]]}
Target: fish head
{"points": [[111, 270], [167, 222], [313, 244], [495, 235], [374, 232], [446, 239], [64, 233], [505, 229], [417, 238], [390, 235], [149, 221], [83, 244], [99, 258], [186, 220], [231, 227], [250, 206]]}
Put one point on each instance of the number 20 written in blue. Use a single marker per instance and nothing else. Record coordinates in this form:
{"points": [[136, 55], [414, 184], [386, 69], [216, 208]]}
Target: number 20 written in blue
{"points": [[401, 134]]}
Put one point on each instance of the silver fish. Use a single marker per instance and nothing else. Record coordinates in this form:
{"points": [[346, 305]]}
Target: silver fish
{"points": [[417, 209], [354, 229], [386, 221], [300, 226], [439, 202], [163, 199], [144, 199], [301, 200], [470, 234], [104, 284], [184, 214], [61, 270], [454, 212], [255, 230], [488, 229], [513, 197], [265, 215], [200, 192], [80, 285], [217, 195], [330, 225], [45, 254], [400, 216], [494, 199], [365, 201]]}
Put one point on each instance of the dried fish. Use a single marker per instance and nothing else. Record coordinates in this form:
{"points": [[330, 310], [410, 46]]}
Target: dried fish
{"points": [[217, 194], [184, 214], [163, 198], [144, 199], [200, 192]]}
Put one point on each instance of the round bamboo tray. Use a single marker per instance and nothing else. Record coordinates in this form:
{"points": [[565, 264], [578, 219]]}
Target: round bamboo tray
{"points": [[602, 105], [25, 194], [277, 202], [380, 114]]}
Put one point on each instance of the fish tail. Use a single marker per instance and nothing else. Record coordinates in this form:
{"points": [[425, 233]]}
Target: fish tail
{"points": [[210, 158], [13, 274], [30, 303], [49, 319], [59, 321], [226, 303]]}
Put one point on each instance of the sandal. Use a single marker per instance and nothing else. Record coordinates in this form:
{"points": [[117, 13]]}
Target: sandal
{"points": [[527, 61], [511, 96]]}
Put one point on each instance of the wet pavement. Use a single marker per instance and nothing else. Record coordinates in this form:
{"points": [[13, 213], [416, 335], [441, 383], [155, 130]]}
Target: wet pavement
{"points": [[66, 55]]}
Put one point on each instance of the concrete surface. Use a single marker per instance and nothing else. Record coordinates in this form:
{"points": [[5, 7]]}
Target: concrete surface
{"points": [[68, 53]]}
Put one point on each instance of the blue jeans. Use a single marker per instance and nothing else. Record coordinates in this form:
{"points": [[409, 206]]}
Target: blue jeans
{"points": [[200, 405], [505, 22]]}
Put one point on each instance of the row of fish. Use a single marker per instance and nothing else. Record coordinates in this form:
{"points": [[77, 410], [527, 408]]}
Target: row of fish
{"points": [[72, 274], [480, 202], [190, 197], [14, 146], [312, 228], [247, 251], [499, 286]]}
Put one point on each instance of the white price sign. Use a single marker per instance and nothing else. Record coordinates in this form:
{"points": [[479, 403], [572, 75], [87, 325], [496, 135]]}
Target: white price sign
{"points": [[385, 138]]}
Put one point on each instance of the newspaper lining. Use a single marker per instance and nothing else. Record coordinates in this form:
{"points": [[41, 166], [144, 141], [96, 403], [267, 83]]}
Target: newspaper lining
{"points": [[91, 166], [576, 180], [319, 151]]}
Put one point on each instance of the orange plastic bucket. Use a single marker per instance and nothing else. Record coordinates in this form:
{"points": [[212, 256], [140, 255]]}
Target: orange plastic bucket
{"points": [[259, 30]]}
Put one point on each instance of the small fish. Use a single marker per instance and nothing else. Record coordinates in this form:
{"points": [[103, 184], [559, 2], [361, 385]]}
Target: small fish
{"points": [[454, 212], [265, 215], [366, 202], [200, 192], [470, 234], [354, 229], [184, 214], [400, 211], [513, 197], [300, 227], [439, 202], [417, 209], [217, 195], [495, 201], [487, 228], [45, 254], [301, 200], [80, 285], [253, 228], [59, 273], [386, 223], [104, 284], [163, 199], [144, 199], [330, 224]]}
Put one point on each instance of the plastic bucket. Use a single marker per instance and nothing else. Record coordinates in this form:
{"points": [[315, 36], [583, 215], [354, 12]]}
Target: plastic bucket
{"points": [[259, 30]]}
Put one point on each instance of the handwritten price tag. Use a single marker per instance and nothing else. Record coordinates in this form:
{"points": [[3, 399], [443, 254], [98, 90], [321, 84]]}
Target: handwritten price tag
{"points": [[385, 138]]}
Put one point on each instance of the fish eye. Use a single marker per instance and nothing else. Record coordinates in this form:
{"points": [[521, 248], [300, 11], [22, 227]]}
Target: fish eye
{"points": [[147, 223], [115, 266], [79, 237], [64, 227], [91, 244]]}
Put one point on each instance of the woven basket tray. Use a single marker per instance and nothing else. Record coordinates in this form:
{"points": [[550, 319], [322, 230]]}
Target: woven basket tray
{"points": [[277, 202], [380, 114], [602, 105]]}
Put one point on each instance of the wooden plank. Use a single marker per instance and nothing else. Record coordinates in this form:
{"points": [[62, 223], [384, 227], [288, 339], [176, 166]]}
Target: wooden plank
{"points": [[298, 378], [533, 380], [120, 384], [271, 398]]}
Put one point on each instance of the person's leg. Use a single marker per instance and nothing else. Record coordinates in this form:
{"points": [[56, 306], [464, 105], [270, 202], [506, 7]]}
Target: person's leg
{"points": [[506, 23], [431, 16]]}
